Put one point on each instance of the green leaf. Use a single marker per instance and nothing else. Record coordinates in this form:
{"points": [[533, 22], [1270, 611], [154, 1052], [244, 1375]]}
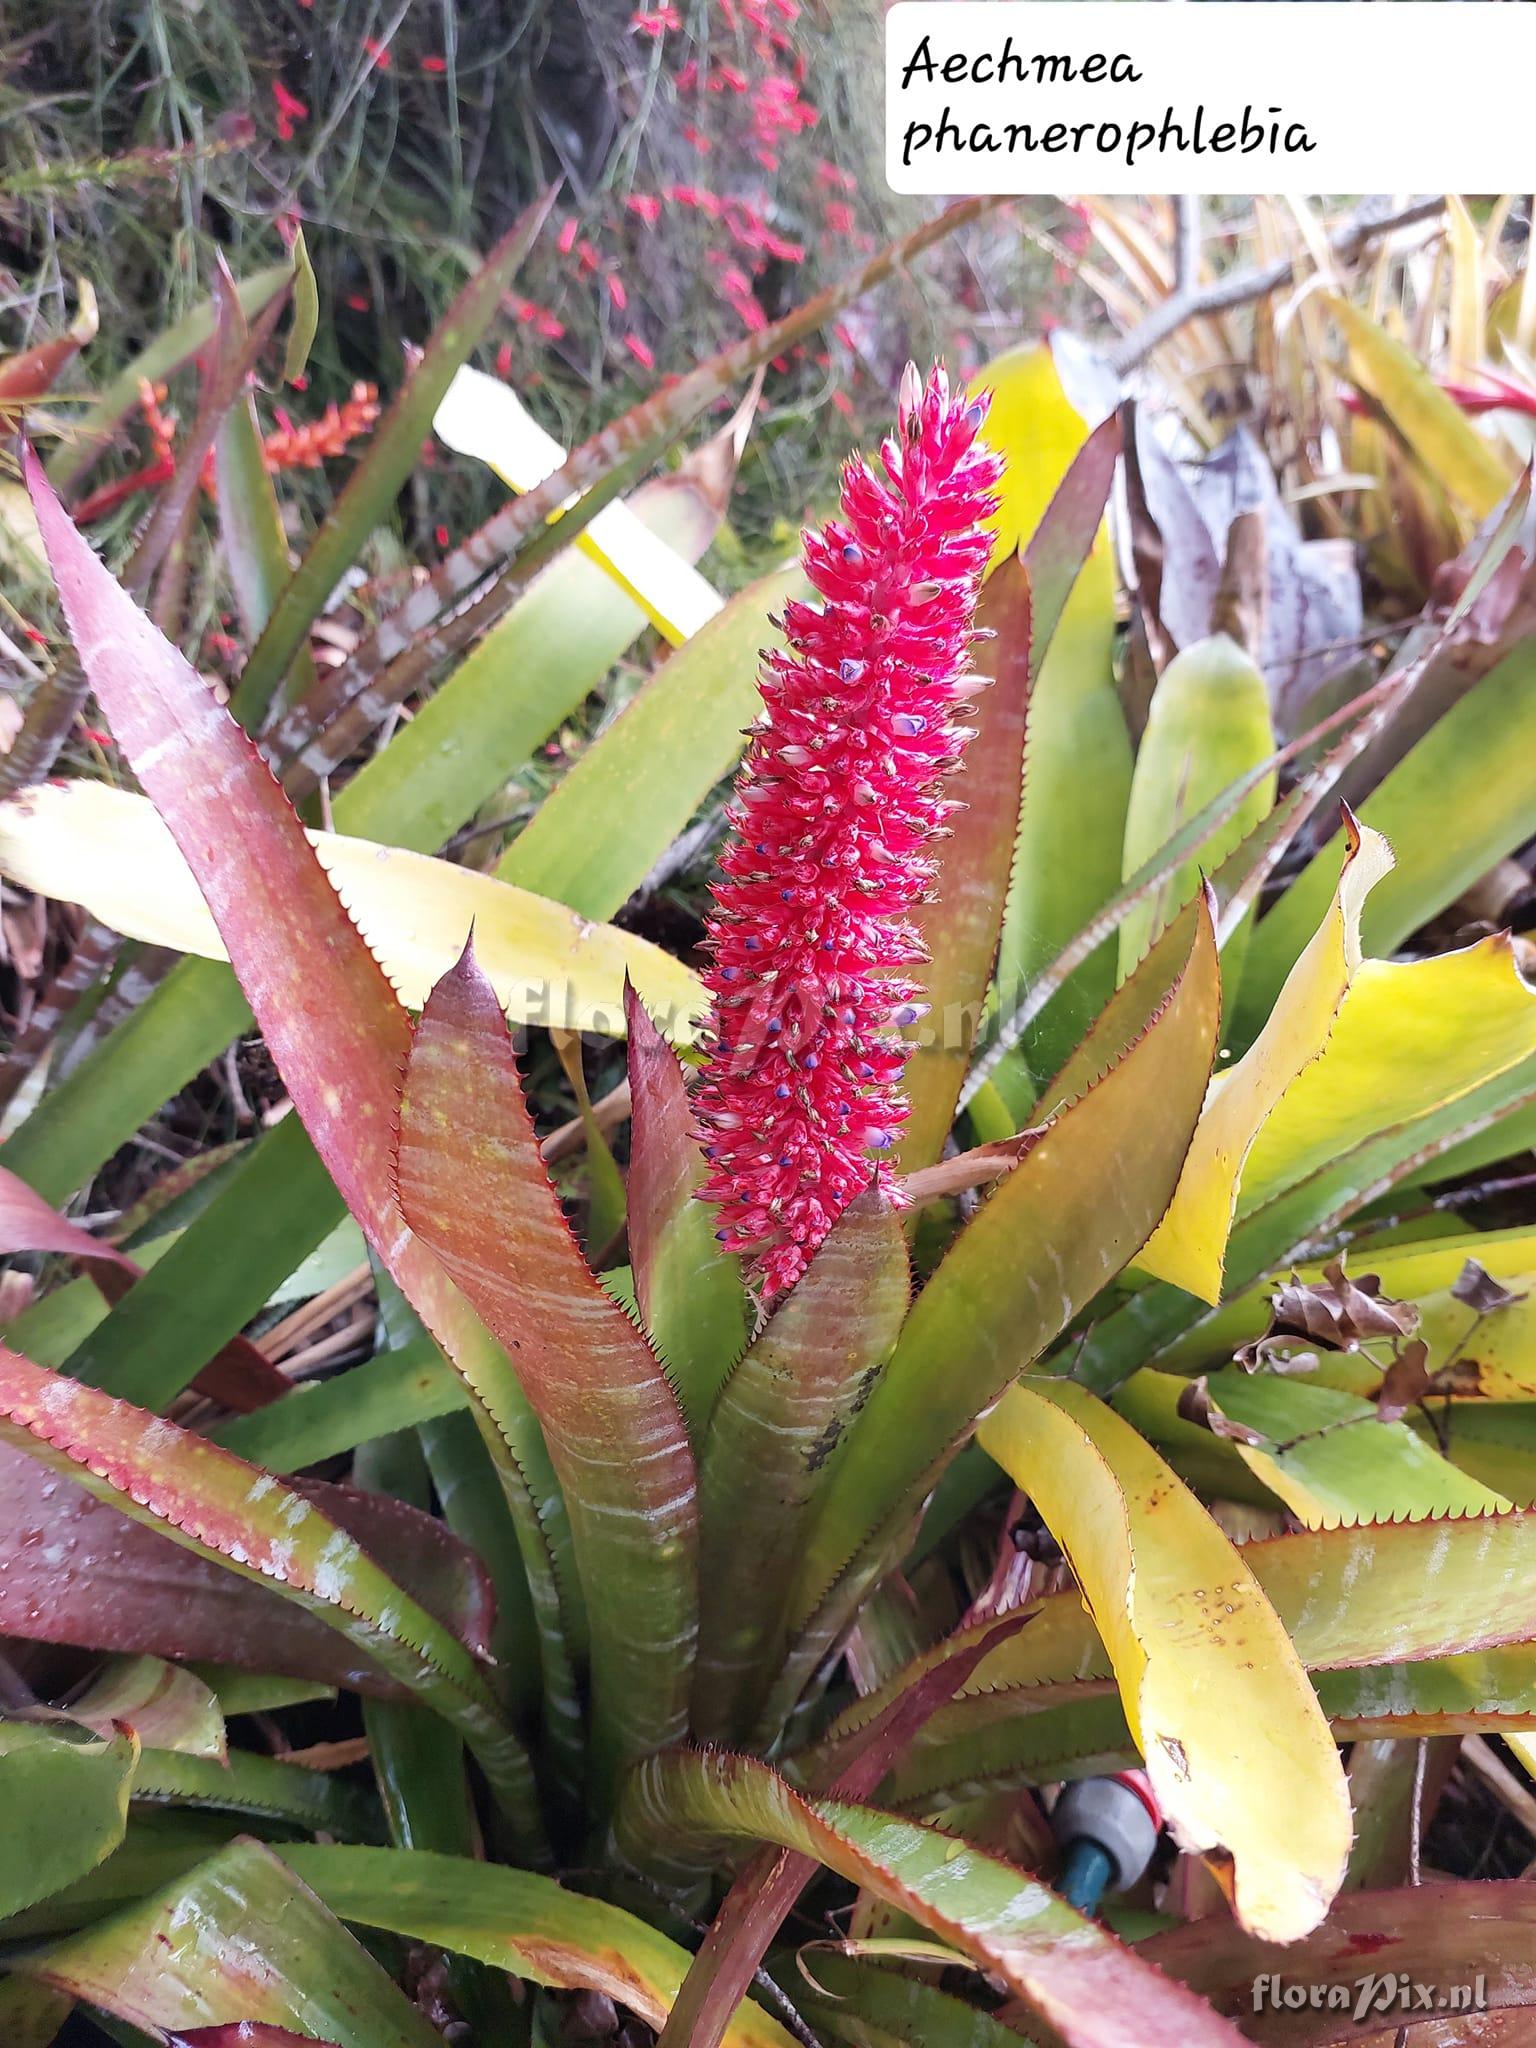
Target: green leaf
{"points": [[515, 1921], [517, 684], [392, 1390], [259, 1786], [847, 1999], [228, 1511], [1068, 1970], [392, 453], [1477, 765], [251, 524], [472, 1183], [1328, 1454], [160, 1844], [90, 436], [306, 312], [1076, 1209], [1077, 772], [1208, 726], [240, 1938], [1218, 1702], [66, 1805], [154, 1342], [692, 1305], [604, 827], [778, 1420]]}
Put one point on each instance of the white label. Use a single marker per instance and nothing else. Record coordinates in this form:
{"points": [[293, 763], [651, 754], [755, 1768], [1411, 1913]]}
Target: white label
{"points": [[1223, 96]]}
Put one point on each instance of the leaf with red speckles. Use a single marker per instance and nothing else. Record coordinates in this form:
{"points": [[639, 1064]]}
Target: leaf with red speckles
{"points": [[238, 1940], [334, 1026], [1068, 1971], [689, 1291], [238, 1375], [75, 1570], [267, 1532], [775, 1427], [473, 1184]]}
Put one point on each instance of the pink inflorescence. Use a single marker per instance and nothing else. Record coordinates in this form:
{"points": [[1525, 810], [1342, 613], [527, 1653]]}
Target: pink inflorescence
{"points": [[834, 816]]}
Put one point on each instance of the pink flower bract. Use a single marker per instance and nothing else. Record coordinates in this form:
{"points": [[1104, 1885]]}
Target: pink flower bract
{"points": [[834, 815]]}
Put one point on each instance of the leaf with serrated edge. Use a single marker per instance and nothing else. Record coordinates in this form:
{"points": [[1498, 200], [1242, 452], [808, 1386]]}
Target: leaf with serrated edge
{"points": [[472, 1182], [1189, 1246], [775, 1427], [1383, 1596], [1068, 1970], [99, 1581], [333, 1024], [1073, 1212], [517, 1921], [65, 1804], [961, 925], [689, 1291], [224, 1509], [1238, 1751], [237, 1938]]}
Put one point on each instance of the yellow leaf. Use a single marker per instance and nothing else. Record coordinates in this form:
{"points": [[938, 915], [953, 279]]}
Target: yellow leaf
{"points": [[108, 850], [483, 417], [1410, 1036], [1429, 419], [1189, 1245], [1219, 1703]]}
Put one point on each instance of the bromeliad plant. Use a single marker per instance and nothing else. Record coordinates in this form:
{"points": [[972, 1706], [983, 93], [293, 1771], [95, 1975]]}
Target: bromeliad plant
{"points": [[756, 1632]]}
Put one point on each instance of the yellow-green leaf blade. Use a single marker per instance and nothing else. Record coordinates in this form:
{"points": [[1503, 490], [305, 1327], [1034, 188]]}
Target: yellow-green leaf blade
{"points": [[1218, 1700]]}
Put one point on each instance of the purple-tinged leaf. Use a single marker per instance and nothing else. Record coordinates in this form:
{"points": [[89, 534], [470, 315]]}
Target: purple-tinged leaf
{"points": [[689, 1291], [473, 1184], [1067, 1970], [1056, 551], [262, 1529], [333, 1024], [247, 2034], [74, 1569], [780, 1417], [761, 1897], [1441, 1933]]}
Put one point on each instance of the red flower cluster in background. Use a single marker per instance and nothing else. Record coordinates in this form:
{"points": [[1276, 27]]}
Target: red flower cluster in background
{"points": [[834, 816]]}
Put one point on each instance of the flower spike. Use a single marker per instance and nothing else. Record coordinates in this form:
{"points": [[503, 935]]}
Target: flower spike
{"points": [[834, 815]]}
